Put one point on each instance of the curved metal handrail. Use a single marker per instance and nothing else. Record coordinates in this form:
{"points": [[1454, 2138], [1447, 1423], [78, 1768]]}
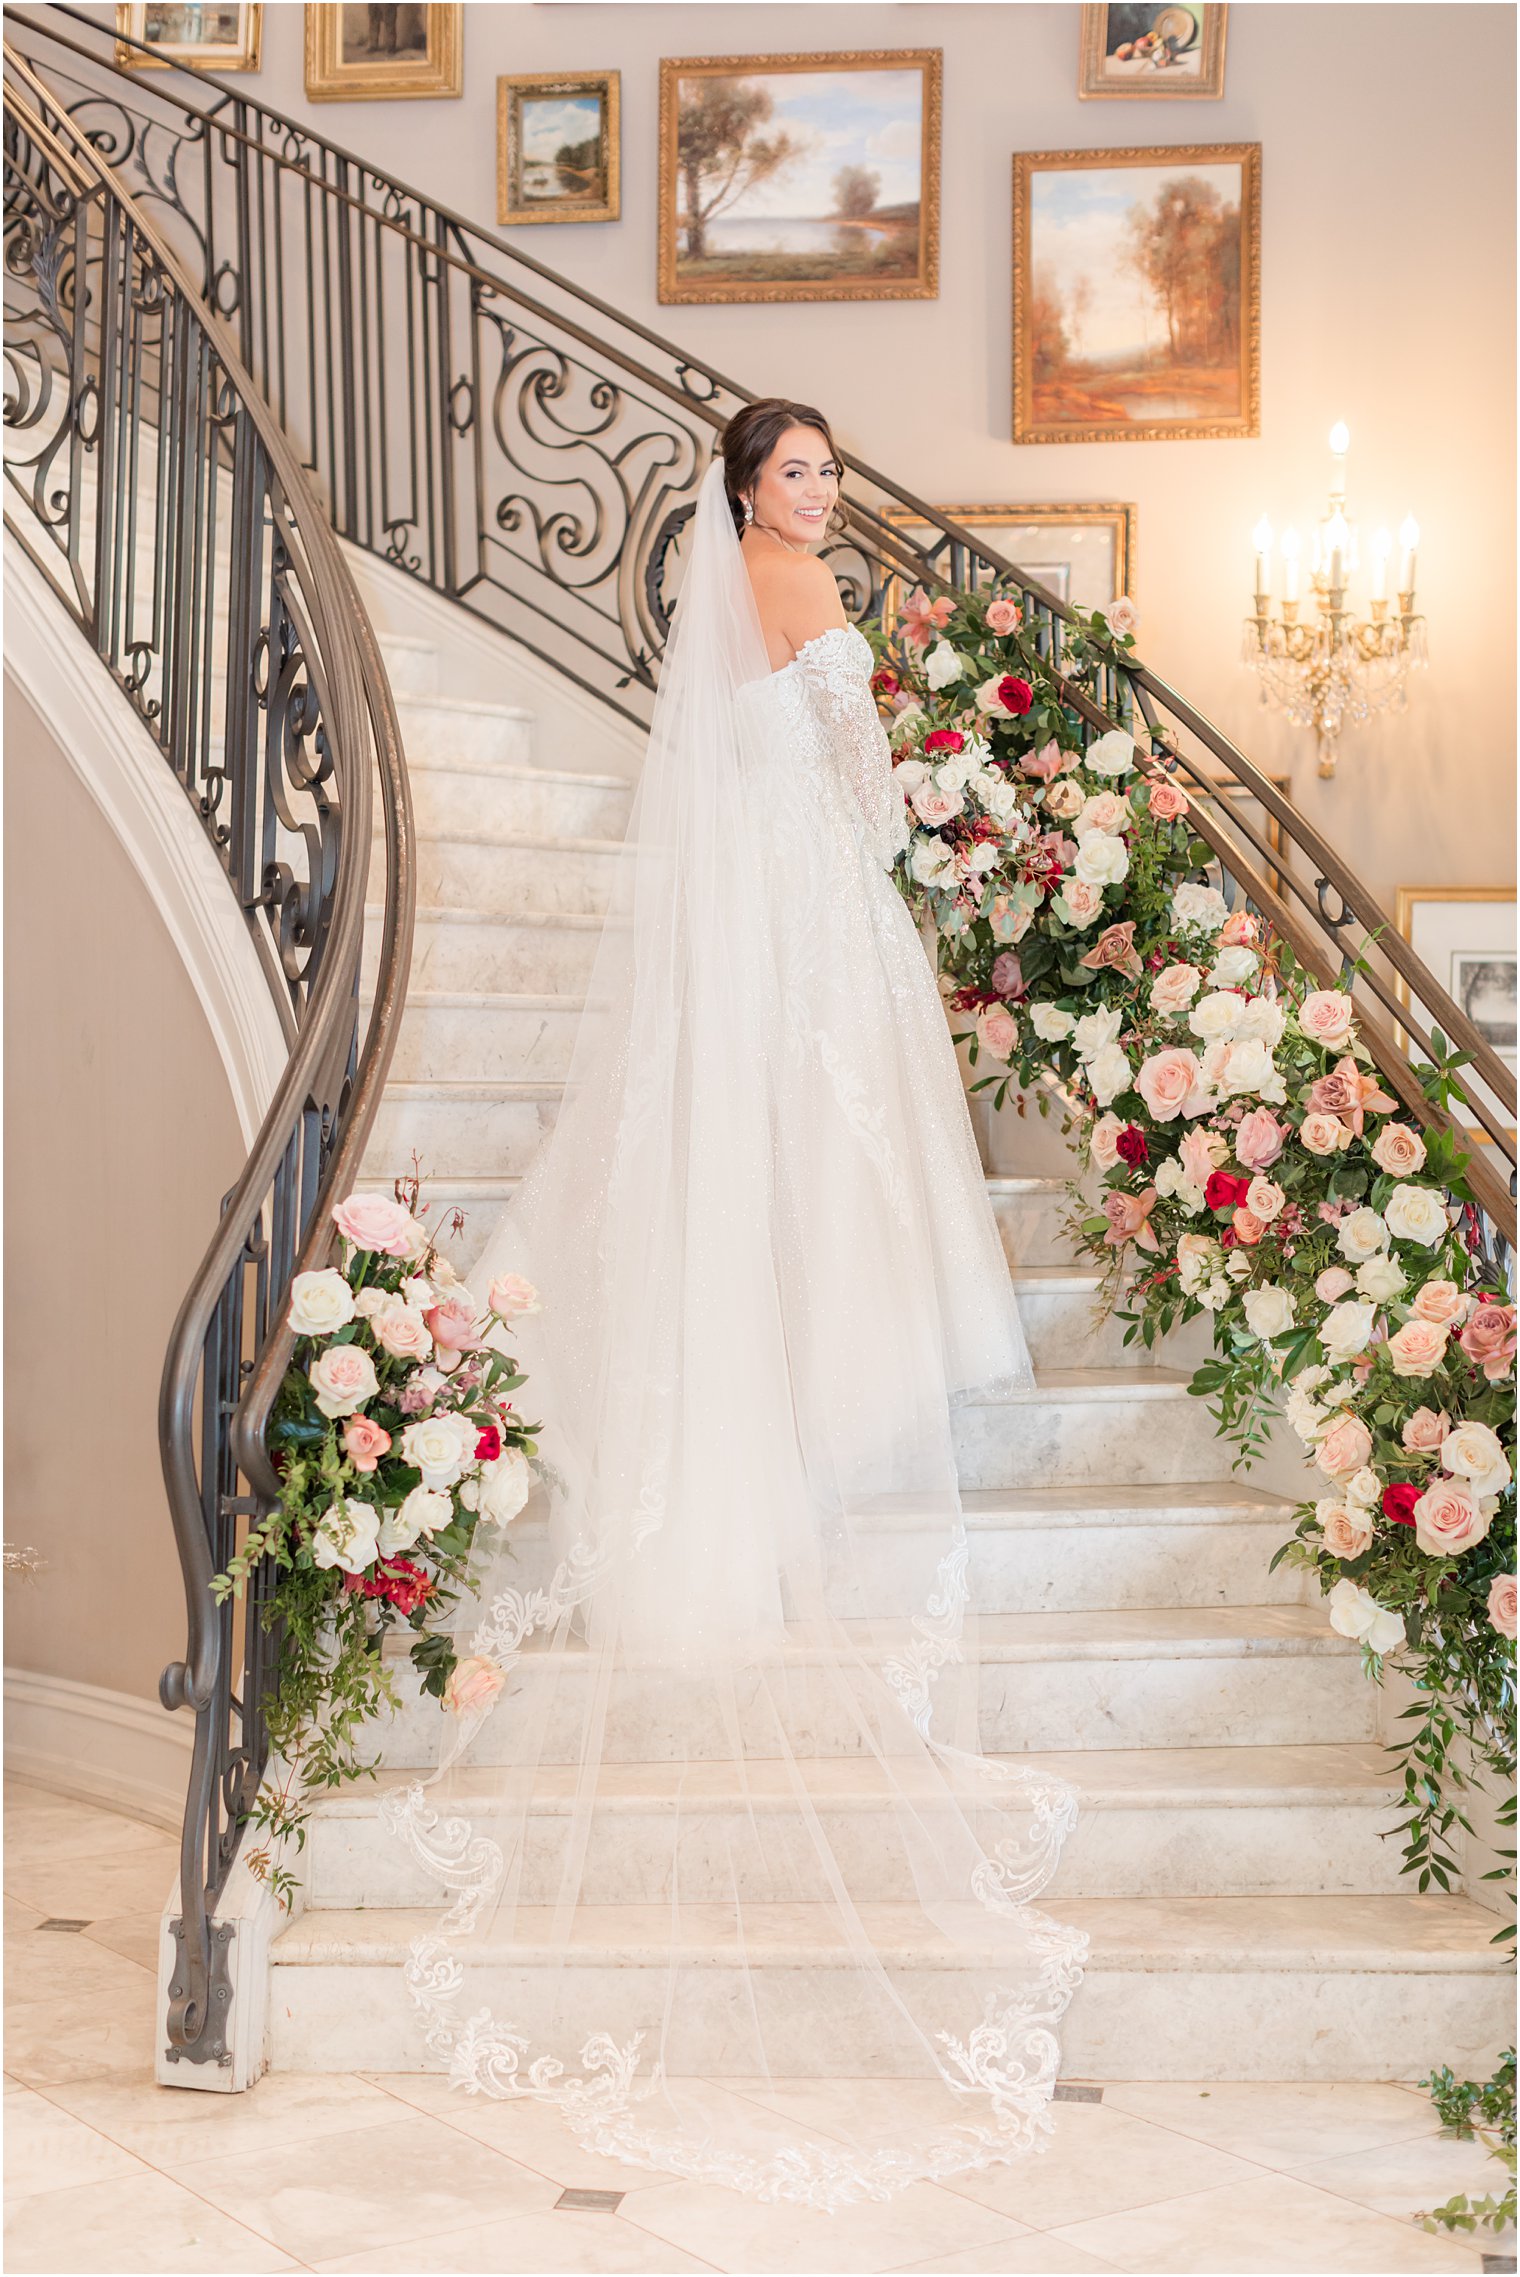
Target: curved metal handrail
{"points": [[120, 376]]}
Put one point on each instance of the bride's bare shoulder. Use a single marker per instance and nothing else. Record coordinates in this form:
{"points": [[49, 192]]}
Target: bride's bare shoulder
{"points": [[797, 597]]}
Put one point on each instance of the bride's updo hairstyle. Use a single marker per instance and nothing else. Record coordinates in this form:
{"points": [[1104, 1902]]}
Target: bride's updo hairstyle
{"points": [[748, 441]]}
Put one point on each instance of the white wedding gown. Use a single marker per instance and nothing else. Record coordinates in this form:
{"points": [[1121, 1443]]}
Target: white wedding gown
{"points": [[729, 1820]]}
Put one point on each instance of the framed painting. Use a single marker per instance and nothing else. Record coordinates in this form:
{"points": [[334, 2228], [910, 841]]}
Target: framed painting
{"points": [[1085, 555], [557, 153], [205, 38], [800, 177], [359, 54], [1149, 53], [1465, 938], [1137, 294]]}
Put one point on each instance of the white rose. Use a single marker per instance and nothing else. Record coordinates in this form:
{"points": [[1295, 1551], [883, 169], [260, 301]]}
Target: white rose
{"points": [[1101, 860], [320, 1302], [1346, 1329], [1108, 811], [1217, 1016], [346, 1535], [987, 697], [1095, 1030], [1364, 1488], [1173, 1181], [1262, 1020], [1109, 1073], [1353, 1613], [1268, 1310], [426, 1510], [943, 665], [1473, 1452], [1237, 1066], [343, 1378], [1361, 1235], [1200, 905], [1101, 1141], [418, 1291], [931, 863], [1050, 1023], [953, 773], [440, 1446], [367, 1302], [1416, 1213], [909, 773], [1380, 1279], [504, 1486], [1112, 754], [397, 1531], [1233, 967]]}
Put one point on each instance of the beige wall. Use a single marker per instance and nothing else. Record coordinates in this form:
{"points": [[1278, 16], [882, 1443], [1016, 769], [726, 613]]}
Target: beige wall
{"points": [[120, 1142], [1388, 266]]}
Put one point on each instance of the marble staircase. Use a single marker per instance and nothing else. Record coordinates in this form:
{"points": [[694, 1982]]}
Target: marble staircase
{"points": [[1246, 1912]]}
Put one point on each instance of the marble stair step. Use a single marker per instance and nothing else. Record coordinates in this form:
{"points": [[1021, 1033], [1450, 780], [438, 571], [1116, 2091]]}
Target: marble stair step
{"points": [[412, 666], [508, 873], [1184, 1676], [1224, 1821], [475, 951], [459, 1129], [1188, 1988], [449, 1035], [446, 728], [1084, 1425], [461, 788]]}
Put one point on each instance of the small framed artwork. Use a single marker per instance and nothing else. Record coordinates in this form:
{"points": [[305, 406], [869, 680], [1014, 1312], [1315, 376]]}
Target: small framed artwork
{"points": [[1165, 54], [1084, 555], [1465, 938], [557, 146], [206, 38], [359, 54], [1137, 294], [800, 177]]}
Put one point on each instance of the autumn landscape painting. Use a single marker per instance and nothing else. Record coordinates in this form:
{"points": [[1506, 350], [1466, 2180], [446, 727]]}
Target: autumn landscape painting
{"points": [[1136, 294], [816, 179]]}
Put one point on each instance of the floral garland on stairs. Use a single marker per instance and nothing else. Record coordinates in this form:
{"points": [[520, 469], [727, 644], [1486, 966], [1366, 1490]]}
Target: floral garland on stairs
{"points": [[1254, 1169]]}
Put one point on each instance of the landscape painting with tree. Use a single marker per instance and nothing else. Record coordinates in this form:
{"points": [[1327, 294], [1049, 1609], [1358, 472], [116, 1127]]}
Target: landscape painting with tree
{"points": [[1136, 294], [800, 177]]}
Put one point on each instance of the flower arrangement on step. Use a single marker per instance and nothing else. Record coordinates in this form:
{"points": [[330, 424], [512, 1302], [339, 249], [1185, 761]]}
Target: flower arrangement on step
{"points": [[395, 1438]]}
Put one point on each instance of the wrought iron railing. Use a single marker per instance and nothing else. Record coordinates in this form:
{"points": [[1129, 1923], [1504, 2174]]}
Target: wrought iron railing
{"points": [[532, 453], [148, 481]]}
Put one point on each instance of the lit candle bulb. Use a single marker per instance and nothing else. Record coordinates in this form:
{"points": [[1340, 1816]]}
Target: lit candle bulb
{"points": [[1261, 538], [1340, 443], [1337, 541], [1290, 564], [1382, 547], [1409, 539]]}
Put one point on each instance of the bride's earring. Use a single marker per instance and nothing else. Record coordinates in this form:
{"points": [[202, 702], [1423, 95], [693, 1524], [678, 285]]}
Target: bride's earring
{"points": [[749, 511]]}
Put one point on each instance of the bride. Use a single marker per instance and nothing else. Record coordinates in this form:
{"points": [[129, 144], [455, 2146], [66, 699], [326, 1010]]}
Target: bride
{"points": [[727, 1819]]}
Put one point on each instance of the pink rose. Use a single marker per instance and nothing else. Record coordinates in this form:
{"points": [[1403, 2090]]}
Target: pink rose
{"points": [[1327, 1017], [1239, 931], [1449, 1519], [402, 1332], [997, 1030], [343, 1378], [1424, 1430], [934, 806], [364, 1442], [1346, 1532], [1489, 1339], [1260, 1139], [1417, 1349], [1004, 617], [1168, 802], [1122, 615], [1044, 765], [1333, 1284], [377, 1222], [1441, 1302], [1081, 900], [510, 1295], [1398, 1149], [1324, 1134], [454, 1323], [1128, 1219], [1345, 1447], [1201, 1153], [1008, 974], [1174, 989], [473, 1684], [1501, 1604], [1167, 1080]]}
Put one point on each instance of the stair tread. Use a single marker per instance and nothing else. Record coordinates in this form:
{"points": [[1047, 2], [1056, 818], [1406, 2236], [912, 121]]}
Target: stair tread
{"points": [[492, 1000], [466, 704], [1247, 1935], [445, 913], [506, 770], [529, 841], [1347, 1773]]}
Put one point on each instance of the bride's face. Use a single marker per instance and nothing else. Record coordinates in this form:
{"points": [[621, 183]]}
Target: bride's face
{"points": [[798, 486]]}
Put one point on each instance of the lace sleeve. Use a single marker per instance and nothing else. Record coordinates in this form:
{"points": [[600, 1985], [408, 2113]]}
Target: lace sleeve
{"points": [[837, 667]]}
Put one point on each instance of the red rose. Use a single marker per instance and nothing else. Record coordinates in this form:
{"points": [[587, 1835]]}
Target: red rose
{"points": [[1224, 1192], [1015, 695], [488, 1445], [885, 682], [1399, 1502], [1131, 1145], [944, 739]]}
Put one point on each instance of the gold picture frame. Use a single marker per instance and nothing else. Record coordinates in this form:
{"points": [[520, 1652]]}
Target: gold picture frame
{"points": [[518, 96], [1107, 74], [333, 77], [1441, 948], [242, 52], [1115, 521], [1100, 397], [893, 256]]}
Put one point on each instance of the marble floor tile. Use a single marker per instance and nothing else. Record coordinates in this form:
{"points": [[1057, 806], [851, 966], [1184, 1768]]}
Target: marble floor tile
{"points": [[1280, 2123], [144, 2222], [48, 2041], [1026, 2257], [176, 2127], [18, 1916], [1275, 2225], [46, 2149], [1098, 2162], [93, 1887], [533, 2244], [96, 1834], [65, 1966], [133, 1935], [528, 2132], [741, 2235], [380, 2186], [1406, 2179]]}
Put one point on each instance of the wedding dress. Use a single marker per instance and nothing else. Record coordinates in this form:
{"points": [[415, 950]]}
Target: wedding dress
{"points": [[729, 1819]]}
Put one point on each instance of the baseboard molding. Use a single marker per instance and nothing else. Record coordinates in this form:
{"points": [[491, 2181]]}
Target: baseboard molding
{"points": [[99, 1746]]}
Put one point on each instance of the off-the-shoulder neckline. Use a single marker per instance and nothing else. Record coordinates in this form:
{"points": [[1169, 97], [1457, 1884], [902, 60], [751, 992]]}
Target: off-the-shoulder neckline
{"points": [[827, 634]]}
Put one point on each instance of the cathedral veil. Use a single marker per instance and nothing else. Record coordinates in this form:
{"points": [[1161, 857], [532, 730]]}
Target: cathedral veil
{"points": [[729, 1805]]}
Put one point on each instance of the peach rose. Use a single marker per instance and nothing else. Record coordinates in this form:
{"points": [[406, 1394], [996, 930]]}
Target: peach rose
{"points": [[1345, 1447], [1248, 1227], [376, 1221], [1128, 1218], [1004, 617], [1333, 1284], [1327, 1016], [1044, 765], [402, 1332], [1078, 902], [997, 1030], [1416, 1349], [1324, 1134], [1114, 950], [1102, 1140], [1265, 1199], [1064, 800], [510, 1296], [1501, 1604], [1167, 1080], [1239, 931], [1448, 1518], [1489, 1339], [1398, 1149], [1174, 989], [1260, 1139], [364, 1442], [1441, 1302], [1200, 1152], [1168, 802], [1424, 1430], [1346, 1532], [473, 1684], [343, 1378]]}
